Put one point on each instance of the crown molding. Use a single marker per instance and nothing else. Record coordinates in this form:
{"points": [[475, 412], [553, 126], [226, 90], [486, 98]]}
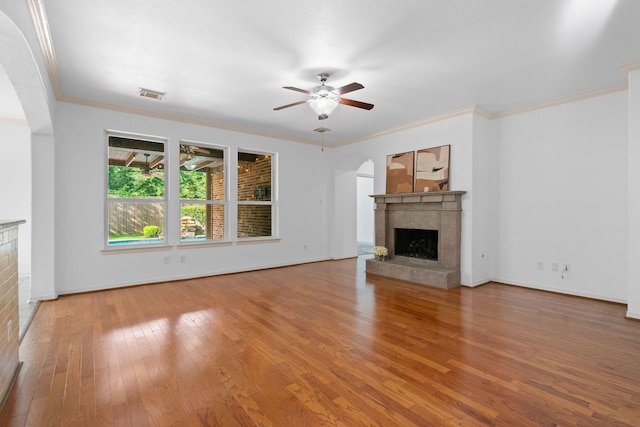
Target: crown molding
{"points": [[628, 68], [41, 25], [473, 109], [483, 113], [13, 121], [427, 120], [560, 101], [178, 118]]}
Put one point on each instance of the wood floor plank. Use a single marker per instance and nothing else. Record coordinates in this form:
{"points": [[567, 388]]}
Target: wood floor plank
{"points": [[323, 344]]}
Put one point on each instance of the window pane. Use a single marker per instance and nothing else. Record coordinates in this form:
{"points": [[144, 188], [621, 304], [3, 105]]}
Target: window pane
{"points": [[135, 223], [254, 177], [135, 183], [201, 222], [136, 168], [254, 220], [201, 173]]}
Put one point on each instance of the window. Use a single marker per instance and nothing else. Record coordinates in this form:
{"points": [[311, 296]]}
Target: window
{"points": [[255, 202], [136, 193], [202, 193]]}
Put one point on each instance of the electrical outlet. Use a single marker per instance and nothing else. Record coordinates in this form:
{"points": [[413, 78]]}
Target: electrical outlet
{"points": [[183, 258], [540, 265], [166, 260], [566, 268]]}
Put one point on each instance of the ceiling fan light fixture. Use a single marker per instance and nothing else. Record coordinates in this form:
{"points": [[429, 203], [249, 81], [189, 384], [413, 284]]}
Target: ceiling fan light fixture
{"points": [[324, 99], [323, 106], [190, 165]]}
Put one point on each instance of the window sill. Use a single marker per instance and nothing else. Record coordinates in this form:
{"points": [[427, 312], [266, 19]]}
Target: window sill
{"points": [[136, 248], [188, 245], [204, 243], [249, 240]]}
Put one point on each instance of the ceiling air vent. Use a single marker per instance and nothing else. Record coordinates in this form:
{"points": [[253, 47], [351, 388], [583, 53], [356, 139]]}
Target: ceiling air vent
{"points": [[153, 94]]}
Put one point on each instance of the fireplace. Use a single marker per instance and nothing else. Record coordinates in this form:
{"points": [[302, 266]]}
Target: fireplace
{"points": [[422, 232], [416, 243]]}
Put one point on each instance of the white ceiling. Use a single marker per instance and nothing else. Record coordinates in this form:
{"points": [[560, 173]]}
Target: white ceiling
{"points": [[225, 62]]}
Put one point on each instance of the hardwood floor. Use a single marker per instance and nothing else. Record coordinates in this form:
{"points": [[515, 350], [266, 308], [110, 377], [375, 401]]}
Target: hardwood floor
{"points": [[322, 344]]}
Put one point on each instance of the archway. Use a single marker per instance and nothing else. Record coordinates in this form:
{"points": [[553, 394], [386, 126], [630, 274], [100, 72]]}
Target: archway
{"points": [[18, 61], [345, 212]]}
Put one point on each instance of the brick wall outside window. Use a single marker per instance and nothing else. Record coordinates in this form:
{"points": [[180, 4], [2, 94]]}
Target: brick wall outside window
{"points": [[254, 184]]}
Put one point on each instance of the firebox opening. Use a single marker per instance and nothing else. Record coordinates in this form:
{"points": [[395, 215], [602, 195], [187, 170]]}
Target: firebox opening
{"points": [[414, 243]]}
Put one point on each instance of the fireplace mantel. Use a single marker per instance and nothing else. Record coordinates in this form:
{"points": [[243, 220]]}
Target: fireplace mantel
{"points": [[441, 211], [433, 197]]}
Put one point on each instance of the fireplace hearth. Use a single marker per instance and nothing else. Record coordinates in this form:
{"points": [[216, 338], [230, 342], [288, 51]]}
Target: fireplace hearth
{"points": [[422, 232]]}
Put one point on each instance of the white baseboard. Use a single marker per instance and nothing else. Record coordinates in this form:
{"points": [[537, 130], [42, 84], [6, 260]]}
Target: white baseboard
{"points": [[633, 315], [560, 291], [477, 283], [36, 298], [186, 277]]}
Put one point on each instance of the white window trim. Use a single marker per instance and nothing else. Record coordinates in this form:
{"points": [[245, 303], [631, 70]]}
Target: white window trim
{"points": [[226, 161], [107, 200], [275, 236]]}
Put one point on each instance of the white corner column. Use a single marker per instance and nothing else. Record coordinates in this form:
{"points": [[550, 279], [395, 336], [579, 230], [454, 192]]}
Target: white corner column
{"points": [[633, 188], [344, 234], [43, 218]]}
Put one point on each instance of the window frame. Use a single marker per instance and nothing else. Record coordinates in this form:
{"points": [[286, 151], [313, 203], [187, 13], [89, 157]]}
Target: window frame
{"points": [[108, 201], [224, 203], [273, 202]]}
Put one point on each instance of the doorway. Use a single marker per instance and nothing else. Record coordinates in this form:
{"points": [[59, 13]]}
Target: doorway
{"points": [[15, 188], [365, 222]]}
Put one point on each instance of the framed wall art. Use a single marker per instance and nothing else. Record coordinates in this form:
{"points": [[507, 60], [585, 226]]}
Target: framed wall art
{"points": [[400, 173], [432, 169]]}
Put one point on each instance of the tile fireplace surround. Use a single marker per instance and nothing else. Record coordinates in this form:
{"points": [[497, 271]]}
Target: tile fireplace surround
{"points": [[441, 211]]}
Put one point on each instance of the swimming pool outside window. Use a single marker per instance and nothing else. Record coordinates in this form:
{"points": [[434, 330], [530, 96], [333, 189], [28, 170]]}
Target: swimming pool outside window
{"points": [[202, 192], [136, 190]]}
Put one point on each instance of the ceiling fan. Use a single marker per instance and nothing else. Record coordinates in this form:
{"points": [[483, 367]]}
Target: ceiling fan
{"points": [[148, 171], [193, 157], [324, 99]]}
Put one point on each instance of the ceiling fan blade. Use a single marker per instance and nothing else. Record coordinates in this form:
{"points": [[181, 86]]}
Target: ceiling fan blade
{"points": [[297, 89], [358, 104], [291, 105], [200, 150], [348, 88]]}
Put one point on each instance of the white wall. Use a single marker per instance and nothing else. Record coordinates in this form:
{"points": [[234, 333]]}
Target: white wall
{"points": [[344, 214], [546, 186], [304, 189], [549, 185], [15, 186], [563, 198], [483, 198], [542, 186]]}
